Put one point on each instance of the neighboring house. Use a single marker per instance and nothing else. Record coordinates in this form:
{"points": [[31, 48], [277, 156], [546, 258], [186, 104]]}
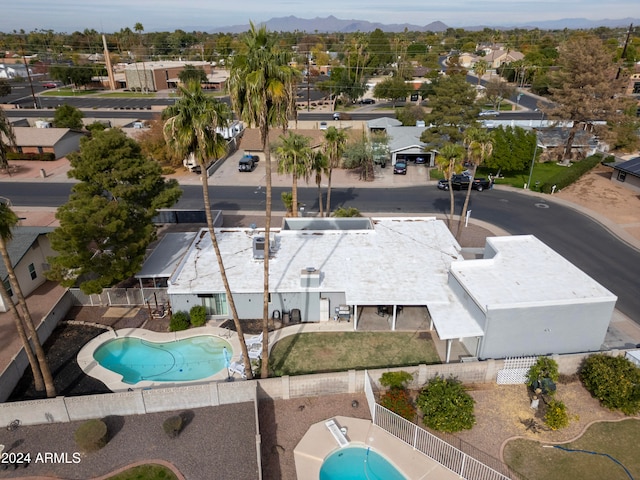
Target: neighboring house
{"points": [[28, 252], [251, 143], [552, 141], [405, 144], [496, 58], [521, 298], [59, 141], [627, 173]]}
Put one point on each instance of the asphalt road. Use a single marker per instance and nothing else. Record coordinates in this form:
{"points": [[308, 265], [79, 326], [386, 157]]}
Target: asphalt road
{"points": [[573, 235]]}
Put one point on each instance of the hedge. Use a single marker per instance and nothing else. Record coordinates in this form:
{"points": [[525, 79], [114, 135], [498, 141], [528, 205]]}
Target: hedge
{"points": [[43, 157], [570, 174]]}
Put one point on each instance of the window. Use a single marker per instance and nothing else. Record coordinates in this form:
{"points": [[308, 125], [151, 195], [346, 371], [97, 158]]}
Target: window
{"points": [[7, 287], [215, 304], [636, 88], [32, 271], [622, 176]]}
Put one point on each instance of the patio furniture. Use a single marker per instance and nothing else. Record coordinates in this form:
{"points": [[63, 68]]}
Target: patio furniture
{"points": [[237, 367]]}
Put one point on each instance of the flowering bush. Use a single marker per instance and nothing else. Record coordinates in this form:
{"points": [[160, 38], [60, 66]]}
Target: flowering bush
{"points": [[398, 401]]}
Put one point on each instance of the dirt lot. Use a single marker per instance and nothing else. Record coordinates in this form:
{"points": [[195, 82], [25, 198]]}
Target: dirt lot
{"points": [[596, 192]]}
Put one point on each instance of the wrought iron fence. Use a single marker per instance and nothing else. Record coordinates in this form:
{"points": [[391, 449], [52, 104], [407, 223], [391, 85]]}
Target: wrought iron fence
{"points": [[118, 297]]}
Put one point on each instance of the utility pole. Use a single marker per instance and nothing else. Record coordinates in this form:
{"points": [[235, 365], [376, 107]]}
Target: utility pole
{"points": [[624, 49], [26, 66]]}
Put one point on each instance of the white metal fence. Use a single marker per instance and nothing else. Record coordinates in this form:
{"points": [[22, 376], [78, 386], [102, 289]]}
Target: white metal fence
{"points": [[428, 444]]}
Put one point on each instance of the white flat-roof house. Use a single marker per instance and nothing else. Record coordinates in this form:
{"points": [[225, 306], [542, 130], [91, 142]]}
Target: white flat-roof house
{"points": [[521, 298]]}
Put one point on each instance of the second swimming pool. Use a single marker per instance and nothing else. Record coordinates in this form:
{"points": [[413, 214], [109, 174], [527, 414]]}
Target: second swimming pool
{"points": [[188, 359]]}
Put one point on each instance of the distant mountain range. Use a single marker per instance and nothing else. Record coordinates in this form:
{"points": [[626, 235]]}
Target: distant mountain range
{"points": [[332, 24]]}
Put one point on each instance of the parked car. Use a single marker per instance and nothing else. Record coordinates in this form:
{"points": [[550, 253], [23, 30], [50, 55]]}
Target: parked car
{"points": [[367, 101], [489, 113], [247, 163], [50, 85], [400, 167], [421, 160], [323, 125], [461, 182], [336, 116]]}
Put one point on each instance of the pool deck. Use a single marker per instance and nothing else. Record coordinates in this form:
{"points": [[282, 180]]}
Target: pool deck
{"points": [[318, 443], [113, 380]]}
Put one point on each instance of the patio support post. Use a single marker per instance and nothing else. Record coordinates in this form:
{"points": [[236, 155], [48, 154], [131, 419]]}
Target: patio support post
{"points": [[355, 318], [393, 323], [448, 357]]}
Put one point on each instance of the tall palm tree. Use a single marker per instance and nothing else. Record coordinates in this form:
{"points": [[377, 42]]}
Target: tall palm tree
{"points": [[7, 139], [41, 371], [335, 143], [139, 29], [294, 158], [190, 128], [479, 146], [480, 68], [319, 165], [260, 85], [449, 161]]}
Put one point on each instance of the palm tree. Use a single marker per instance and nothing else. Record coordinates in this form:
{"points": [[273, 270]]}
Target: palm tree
{"points": [[260, 85], [319, 165], [449, 161], [480, 68], [7, 139], [294, 155], [190, 128], [139, 29], [41, 371], [334, 147], [479, 146]]}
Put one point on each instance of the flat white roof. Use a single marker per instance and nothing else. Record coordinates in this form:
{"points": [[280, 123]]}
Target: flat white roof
{"points": [[524, 271], [402, 261], [166, 256]]}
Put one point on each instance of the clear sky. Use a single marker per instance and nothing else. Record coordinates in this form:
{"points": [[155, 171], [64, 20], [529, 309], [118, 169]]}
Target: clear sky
{"points": [[112, 15]]}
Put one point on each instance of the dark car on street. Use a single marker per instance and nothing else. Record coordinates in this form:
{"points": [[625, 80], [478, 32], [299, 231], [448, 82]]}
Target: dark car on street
{"points": [[461, 182], [400, 167]]}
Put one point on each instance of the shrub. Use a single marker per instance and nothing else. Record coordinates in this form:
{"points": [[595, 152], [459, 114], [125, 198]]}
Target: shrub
{"points": [[346, 212], [446, 405], [543, 374], [395, 379], [179, 321], [556, 416], [198, 315], [168, 170], [397, 400], [91, 435], [42, 157], [172, 426], [615, 381]]}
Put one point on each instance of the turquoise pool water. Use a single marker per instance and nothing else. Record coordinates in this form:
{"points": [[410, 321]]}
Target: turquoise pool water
{"points": [[358, 463], [176, 361]]}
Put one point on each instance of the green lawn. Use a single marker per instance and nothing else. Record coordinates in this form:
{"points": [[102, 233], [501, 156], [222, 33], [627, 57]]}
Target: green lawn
{"points": [[618, 439], [68, 92], [307, 353], [542, 172], [146, 472]]}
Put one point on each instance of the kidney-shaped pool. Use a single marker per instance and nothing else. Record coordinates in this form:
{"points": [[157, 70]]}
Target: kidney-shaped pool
{"points": [[189, 359]]}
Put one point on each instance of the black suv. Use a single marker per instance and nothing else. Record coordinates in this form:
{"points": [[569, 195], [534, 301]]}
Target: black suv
{"points": [[461, 182], [247, 163]]}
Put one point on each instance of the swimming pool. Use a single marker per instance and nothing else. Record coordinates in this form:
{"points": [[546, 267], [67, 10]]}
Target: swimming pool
{"points": [[138, 359], [358, 463]]}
